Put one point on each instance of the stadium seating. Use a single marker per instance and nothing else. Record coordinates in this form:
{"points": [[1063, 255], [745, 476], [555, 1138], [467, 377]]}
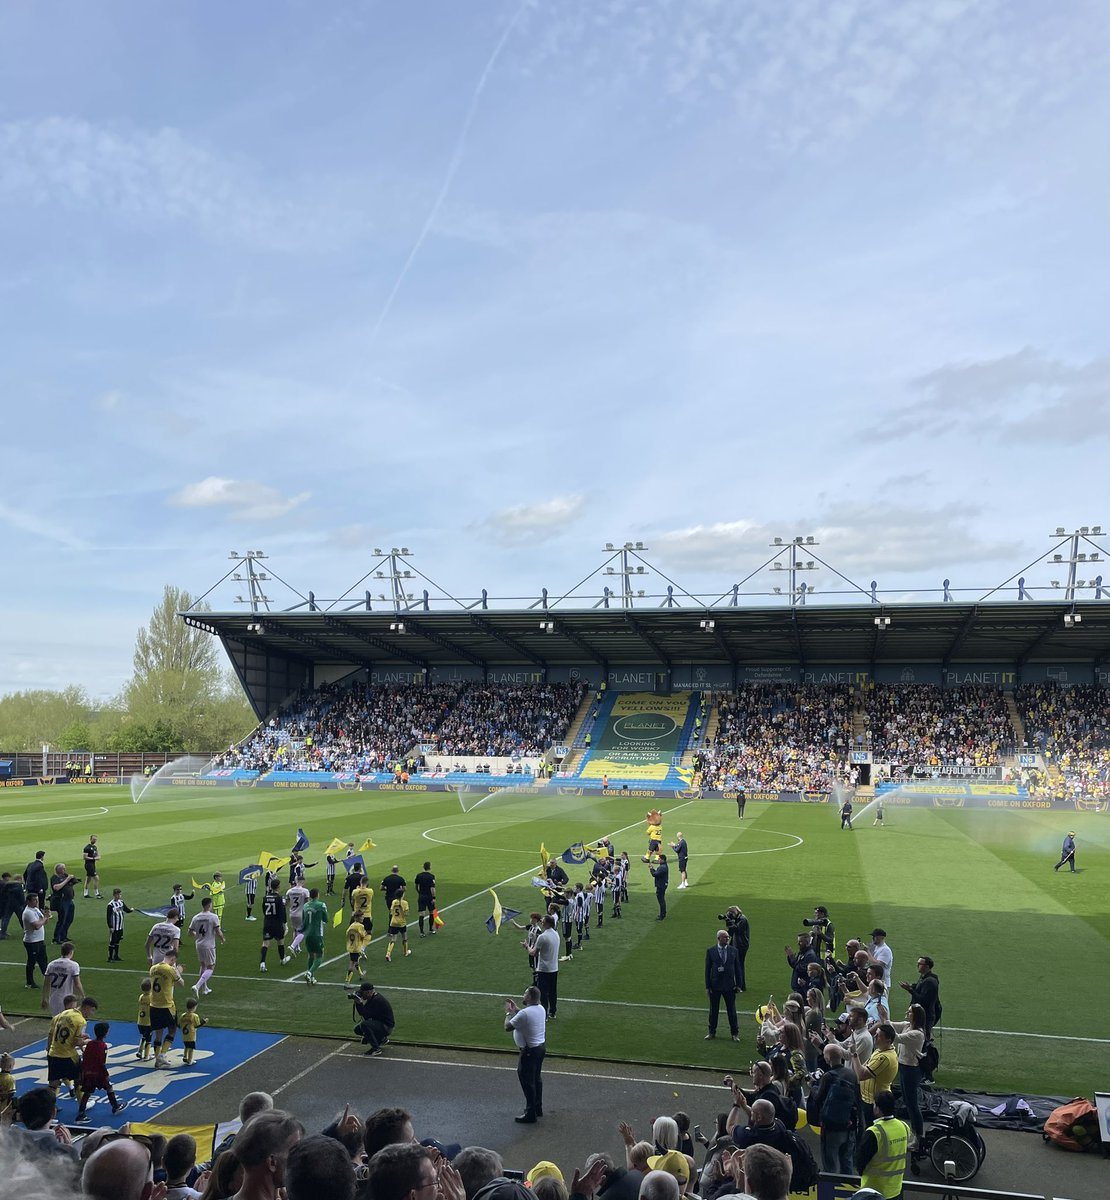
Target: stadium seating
{"points": [[1070, 726], [779, 737], [920, 728]]}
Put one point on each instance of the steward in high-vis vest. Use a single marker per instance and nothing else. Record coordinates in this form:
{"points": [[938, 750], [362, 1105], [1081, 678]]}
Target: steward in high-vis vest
{"points": [[881, 1156]]}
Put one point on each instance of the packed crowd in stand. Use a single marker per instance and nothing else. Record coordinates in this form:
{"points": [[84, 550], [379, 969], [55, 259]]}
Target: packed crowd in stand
{"points": [[1070, 726], [509, 719], [921, 728], [779, 737], [370, 728]]}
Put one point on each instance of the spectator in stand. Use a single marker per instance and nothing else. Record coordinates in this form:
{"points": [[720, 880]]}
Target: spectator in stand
{"points": [[318, 1167], [261, 1148], [1070, 726]]}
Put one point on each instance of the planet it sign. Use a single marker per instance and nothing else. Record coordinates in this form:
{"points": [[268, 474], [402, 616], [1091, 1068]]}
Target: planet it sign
{"points": [[644, 727]]}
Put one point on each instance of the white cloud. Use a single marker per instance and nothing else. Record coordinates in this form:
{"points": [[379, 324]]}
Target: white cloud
{"points": [[542, 519], [1025, 396], [156, 176], [883, 534], [243, 498], [39, 527]]}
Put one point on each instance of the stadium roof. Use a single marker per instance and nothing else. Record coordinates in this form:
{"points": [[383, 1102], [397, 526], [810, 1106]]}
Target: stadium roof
{"points": [[1009, 632]]}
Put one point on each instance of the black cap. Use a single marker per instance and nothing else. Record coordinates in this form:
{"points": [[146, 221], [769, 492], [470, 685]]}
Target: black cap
{"points": [[365, 987]]}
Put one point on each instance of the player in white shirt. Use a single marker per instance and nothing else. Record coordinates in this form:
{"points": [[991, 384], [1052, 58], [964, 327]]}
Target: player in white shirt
{"points": [[165, 936], [204, 929], [295, 900], [62, 979]]}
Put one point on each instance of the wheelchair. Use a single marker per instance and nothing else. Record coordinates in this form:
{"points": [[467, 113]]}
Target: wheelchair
{"points": [[951, 1137]]}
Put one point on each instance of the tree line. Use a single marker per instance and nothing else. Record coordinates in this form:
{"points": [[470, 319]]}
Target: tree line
{"points": [[179, 697]]}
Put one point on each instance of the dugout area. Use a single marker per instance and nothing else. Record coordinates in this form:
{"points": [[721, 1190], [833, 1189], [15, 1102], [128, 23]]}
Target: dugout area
{"points": [[472, 1096]]}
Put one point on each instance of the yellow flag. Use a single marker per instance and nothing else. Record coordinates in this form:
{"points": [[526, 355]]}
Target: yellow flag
{"points": [[367, 845], [335, 846], [545, 858], [496, 912], [271, 862], [200, 887], [337, 920]]}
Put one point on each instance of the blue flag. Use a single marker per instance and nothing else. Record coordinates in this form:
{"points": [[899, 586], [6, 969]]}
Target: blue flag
{"points": [[159, 912], [355, 861], [247, 872], [507, 914], [301, 843], [575, 855]]}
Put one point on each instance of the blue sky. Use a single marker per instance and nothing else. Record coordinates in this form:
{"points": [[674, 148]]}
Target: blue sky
{"points": [[502, 282]]}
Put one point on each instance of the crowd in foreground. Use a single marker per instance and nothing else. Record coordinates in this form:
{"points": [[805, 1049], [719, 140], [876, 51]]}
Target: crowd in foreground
{"points": [[273, 1155]]}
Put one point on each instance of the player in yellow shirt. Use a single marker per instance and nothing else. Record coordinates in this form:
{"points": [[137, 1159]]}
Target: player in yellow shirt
{"points": [[217, 889], [7, 1088], [362, 900], [64, 1041], [398, 925], [143, 1019], [357, 939], [189, 1022], [164, 977], [654, 835]]}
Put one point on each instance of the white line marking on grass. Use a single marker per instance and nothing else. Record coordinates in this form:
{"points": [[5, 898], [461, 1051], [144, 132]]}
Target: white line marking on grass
{"points": [[440, 991], [312, 1067], [798, 841], [222, 1074], [485, 891], [83, 815], [435, 1062]]}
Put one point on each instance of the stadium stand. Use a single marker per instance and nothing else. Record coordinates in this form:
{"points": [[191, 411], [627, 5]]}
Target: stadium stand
{"points": [[1070, 726], [508, 719], [924, 729], [776, 737]]}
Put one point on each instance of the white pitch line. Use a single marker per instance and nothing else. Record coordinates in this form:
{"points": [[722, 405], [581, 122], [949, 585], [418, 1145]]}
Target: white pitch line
{"points": [[433, 1062], [312, 1067], [484, 891], [1063, 1037]]}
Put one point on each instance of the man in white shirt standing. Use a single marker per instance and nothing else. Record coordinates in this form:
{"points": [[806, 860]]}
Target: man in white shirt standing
{"points": [[528, 1025], [882, 954], [545, 959], [62, 979], [295, 900]]}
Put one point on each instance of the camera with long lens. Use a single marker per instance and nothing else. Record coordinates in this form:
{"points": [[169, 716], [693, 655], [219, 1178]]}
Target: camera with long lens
{"points": [[820, 922]]}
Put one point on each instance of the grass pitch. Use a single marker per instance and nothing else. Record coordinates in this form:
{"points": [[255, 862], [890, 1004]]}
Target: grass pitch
{"points": [[1022, 952]]}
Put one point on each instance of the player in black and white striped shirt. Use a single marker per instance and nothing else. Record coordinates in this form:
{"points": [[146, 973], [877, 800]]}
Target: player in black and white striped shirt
{"points": [[114, 914], [252, 895]]}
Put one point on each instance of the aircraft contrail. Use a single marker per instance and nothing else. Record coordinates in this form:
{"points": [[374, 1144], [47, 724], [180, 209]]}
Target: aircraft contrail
{"points": [[449, 178]]}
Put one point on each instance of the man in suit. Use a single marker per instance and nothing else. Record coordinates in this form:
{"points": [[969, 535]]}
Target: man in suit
{"points": [[722, 979]]}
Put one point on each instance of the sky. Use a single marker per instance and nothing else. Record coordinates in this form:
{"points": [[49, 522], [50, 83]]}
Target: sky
{"points": [[502, 282]]}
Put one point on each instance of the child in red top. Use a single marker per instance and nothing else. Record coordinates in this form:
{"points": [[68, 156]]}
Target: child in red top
{"points": [[94, 1072]]}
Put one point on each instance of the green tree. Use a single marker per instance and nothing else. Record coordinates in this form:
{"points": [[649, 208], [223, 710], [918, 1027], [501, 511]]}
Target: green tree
{"points": [[28, 719], [78, 735], [178, 696]]}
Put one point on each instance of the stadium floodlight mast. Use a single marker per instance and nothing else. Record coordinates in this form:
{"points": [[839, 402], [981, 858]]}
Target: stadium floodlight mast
{"points": [[256, 598], [1075, 556], [795, 564]]}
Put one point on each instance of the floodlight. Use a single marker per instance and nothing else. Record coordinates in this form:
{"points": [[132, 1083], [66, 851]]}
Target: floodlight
{"points": [[882, 623], [639, 545], [397, 627], [1060, 531], [810, 541], [708, 626], [377, 550], [608, 545], [777, 591], [778, 541], [1084, 529], [1096, 530], [405, 550], [547, 627], [1072, 619]]}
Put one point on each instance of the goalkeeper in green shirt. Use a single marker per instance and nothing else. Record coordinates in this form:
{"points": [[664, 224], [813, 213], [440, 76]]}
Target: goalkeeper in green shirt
{"points": [[315, 922]]}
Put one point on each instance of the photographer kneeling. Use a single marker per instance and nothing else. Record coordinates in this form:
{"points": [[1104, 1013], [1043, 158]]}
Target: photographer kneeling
{"points": [[374, 1015]]}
